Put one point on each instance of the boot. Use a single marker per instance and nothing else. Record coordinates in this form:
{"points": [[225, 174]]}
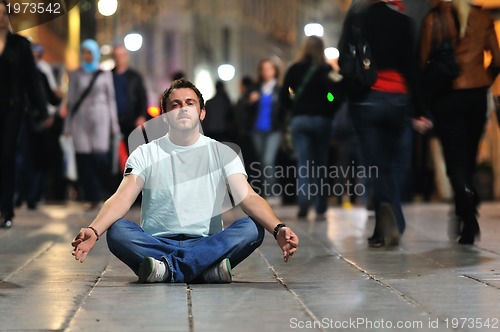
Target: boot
{"points": [[388, 221], [470, 230]]}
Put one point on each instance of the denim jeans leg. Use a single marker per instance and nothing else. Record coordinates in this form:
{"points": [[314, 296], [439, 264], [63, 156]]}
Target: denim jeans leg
{"points": [[271, 146], [131, 244], [379, 122], [236, 242], [186, 259], [320, 146], [301, 143]]}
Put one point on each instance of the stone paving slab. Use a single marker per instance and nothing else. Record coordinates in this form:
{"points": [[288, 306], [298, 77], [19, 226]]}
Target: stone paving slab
{"points": [[333, 283]]}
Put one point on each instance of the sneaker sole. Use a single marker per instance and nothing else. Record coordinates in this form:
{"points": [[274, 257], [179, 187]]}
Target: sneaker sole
{"points": [[145, 269], [226, 267]]}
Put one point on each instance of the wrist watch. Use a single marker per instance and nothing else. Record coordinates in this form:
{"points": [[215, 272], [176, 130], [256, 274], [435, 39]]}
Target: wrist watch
{"points": [[277, 228]]}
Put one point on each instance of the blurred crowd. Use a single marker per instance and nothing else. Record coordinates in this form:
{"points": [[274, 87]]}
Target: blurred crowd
{"points": [[309, 128]]}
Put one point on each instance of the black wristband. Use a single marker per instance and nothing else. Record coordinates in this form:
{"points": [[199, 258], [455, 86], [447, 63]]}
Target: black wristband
{"points": [[277, 228], [95, 232]]}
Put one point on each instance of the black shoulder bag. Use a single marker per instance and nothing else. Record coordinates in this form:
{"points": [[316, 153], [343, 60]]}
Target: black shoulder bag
{"points": [[85, 93], [358, 68], [441, 68]]}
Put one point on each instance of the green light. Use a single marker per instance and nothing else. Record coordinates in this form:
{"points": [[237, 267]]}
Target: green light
{"points": [[330, 97]]}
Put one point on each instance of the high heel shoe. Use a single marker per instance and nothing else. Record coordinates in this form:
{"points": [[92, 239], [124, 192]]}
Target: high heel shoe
{"points": [[470, 233], [388, 221]]}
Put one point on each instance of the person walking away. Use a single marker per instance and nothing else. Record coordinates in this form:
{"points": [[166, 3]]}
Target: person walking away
{"points": [[460, 111]]}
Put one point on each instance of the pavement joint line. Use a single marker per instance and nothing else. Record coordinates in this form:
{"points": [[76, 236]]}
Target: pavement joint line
{"points": [[488, 250], [406, 298], [189, 294], [67, 322], [481, 281], [31, 259], [289, 290]]}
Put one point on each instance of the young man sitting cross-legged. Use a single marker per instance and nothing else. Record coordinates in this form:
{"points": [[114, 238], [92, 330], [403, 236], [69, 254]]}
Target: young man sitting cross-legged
{"points": [[184, 177]]}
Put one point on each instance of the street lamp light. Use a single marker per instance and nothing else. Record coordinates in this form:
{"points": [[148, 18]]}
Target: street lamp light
{"points": [[226, 72], [133, 42], [314, 29], [332, 53], [107, 7]]}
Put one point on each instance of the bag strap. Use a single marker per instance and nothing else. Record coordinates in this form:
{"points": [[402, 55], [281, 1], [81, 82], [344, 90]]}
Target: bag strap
{"points": [[305, 80], [85, 93], [442, 28], [356, 27]]}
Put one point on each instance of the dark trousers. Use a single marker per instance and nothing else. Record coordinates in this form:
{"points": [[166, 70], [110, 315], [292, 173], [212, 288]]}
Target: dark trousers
{"points": [[460, 117], [379, 121], [30, 161], [10, 124], [94, 175]]}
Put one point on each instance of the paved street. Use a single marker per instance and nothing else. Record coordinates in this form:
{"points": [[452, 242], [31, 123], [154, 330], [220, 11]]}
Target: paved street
{"points": [[333, 282]]}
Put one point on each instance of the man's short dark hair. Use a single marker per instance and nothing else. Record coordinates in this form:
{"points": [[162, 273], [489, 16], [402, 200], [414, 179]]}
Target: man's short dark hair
{"points": [[180, 84]]}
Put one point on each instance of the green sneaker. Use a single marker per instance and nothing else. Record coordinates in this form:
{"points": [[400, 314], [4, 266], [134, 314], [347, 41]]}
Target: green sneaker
{"points": [[153, 270], [220, 273]]}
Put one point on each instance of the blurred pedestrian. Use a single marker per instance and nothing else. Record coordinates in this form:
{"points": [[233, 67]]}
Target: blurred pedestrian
{"points": [[19, 84], [219, 122], [309, 96], [130, 93], [381, 113], [36, 147], [241, 115], [92, 121], [266, 125], [460, 112]]}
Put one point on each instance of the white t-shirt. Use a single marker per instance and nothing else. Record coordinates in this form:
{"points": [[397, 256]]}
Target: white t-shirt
{"points": [[184, 186]]}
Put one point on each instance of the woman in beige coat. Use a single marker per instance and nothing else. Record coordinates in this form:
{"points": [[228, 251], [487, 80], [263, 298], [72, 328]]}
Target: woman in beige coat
{"points": [[92, 123]]}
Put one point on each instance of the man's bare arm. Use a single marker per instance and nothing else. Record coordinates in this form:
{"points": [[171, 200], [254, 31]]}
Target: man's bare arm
{"points": [[113, 209], [257, 208]]}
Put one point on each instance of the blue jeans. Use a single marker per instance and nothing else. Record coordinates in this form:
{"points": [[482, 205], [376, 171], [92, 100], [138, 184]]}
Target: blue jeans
{"points": [[186, 258], [266, 145], [379, 120], [311, 140]]}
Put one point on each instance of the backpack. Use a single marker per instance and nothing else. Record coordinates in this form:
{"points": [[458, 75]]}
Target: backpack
{"points": [[442, 67], [358, 68]]}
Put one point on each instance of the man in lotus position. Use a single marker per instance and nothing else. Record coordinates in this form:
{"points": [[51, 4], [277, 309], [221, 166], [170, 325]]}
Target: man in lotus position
{"points": [[184, 177]]}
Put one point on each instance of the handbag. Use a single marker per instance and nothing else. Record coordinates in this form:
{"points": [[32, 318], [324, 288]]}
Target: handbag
{"points": [[358, 68], [442, 67]]}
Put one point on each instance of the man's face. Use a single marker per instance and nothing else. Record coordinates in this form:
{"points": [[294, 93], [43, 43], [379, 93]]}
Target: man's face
{"points": [[183, 110], [4, 18], [120, 56]]}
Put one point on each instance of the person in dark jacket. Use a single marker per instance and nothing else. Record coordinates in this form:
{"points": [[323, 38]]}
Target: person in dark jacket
{"points": [[130, 93], [309, 97], [460, 113], [219, 119], [36, 154], [381, 113], [19, 83]]}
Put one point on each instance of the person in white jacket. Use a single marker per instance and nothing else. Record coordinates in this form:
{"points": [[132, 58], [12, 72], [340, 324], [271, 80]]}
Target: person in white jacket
{"points": [[92, 121]]}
